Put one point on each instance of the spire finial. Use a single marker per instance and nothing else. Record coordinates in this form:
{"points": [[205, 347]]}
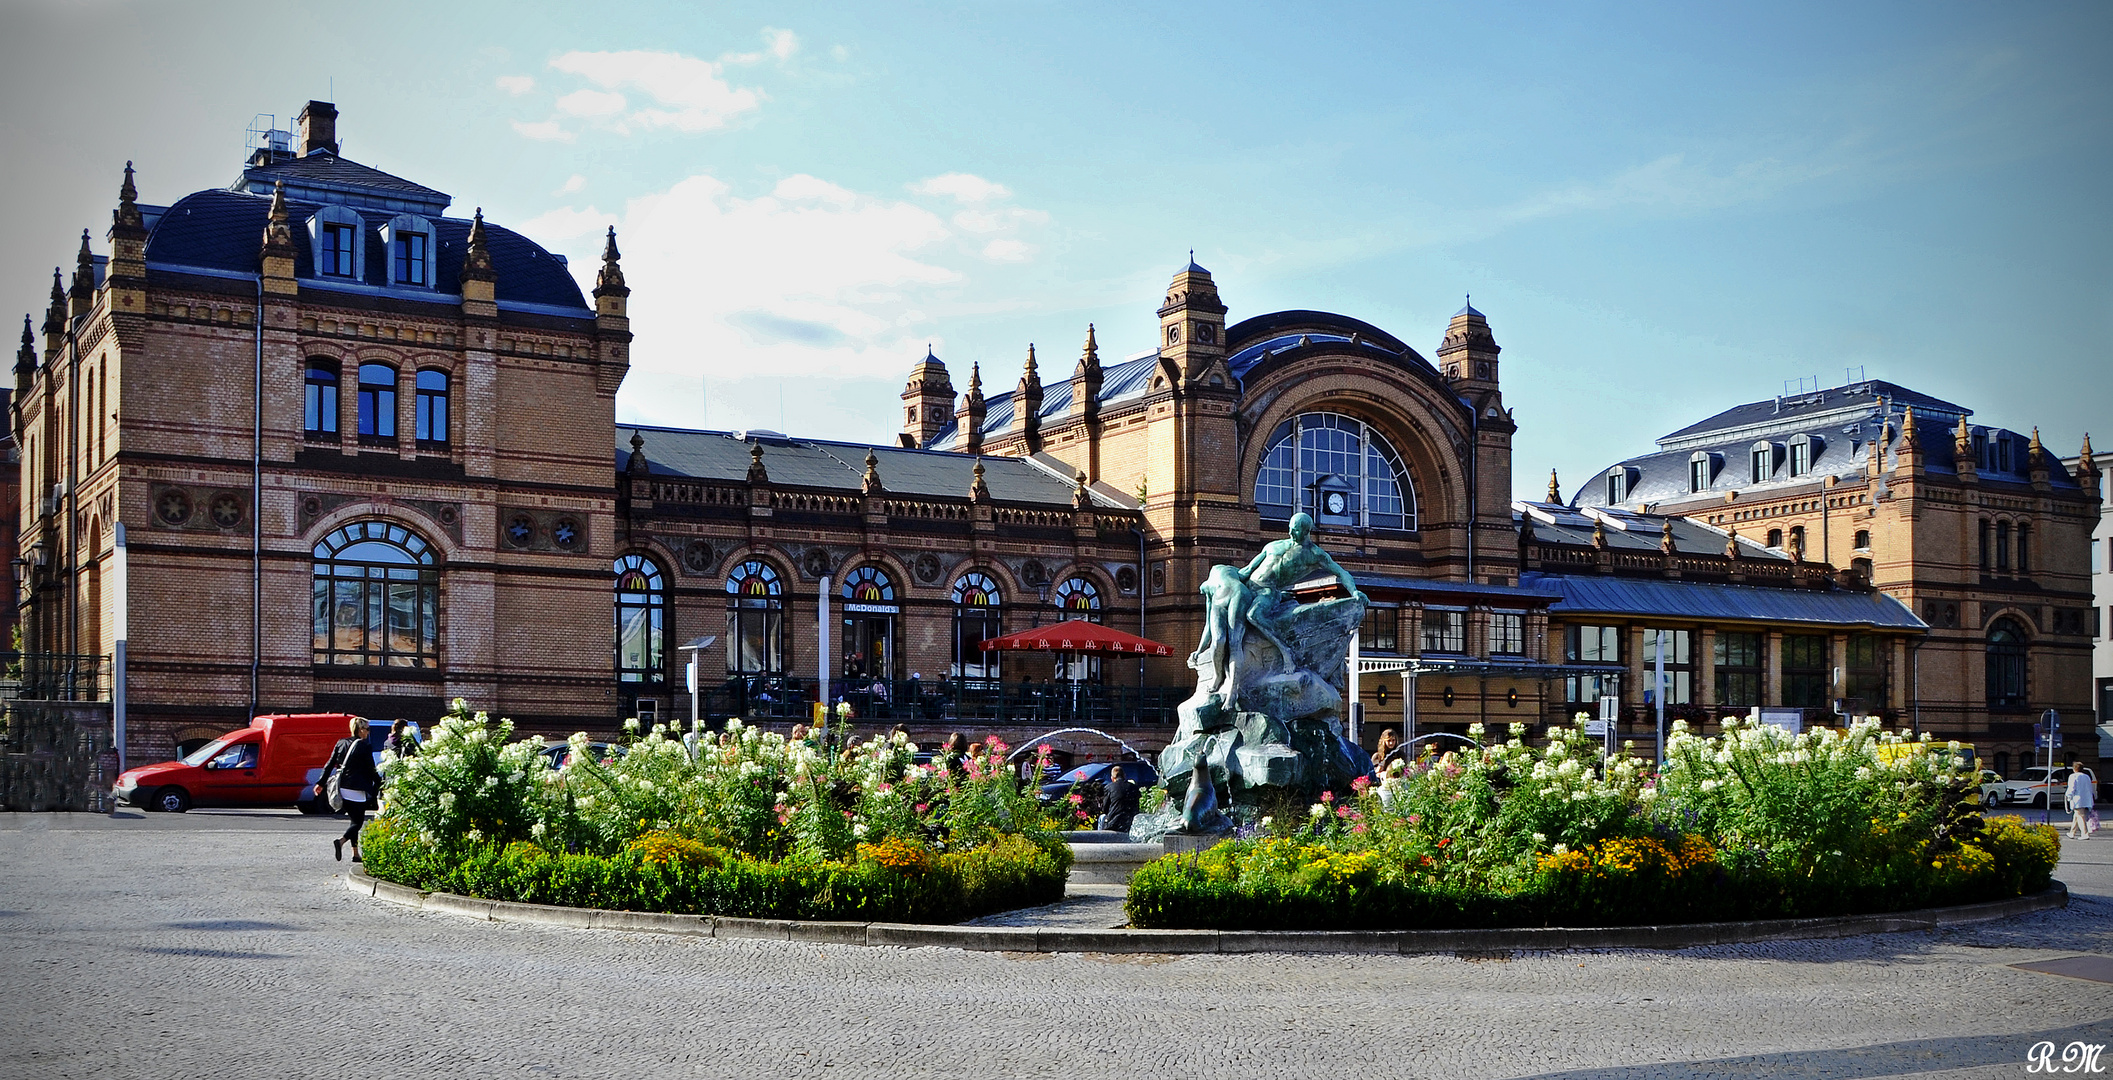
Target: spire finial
{"points": [[1031, 367], [84, 268], [977, 489], [870, 483], [26, 358], [610, 281], [1555, 488], [477, 260], [126, 216]]}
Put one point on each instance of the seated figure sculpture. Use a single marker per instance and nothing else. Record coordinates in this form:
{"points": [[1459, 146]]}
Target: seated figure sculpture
{"points": [[1267, 711]]}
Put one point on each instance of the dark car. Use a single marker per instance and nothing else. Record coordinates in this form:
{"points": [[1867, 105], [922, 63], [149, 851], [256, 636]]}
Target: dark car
{"points": [[1141, 773], [560, 753]]}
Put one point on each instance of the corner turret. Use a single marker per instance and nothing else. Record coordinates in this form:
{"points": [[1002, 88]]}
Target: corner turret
{"points": [[927, 401]]}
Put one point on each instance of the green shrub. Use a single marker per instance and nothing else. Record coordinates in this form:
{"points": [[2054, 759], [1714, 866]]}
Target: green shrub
{"points": [[681, 876], [1755, 823]]}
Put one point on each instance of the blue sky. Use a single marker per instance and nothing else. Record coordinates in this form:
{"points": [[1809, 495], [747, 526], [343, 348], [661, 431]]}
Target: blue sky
{"points": [[1664, 209]]}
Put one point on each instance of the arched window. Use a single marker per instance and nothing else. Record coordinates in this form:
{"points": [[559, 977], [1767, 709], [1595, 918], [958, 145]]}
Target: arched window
{"points": [[870, 608], [755, 620], [1617, 485], [319, 400], [377, 597], [377, 401], [1761, 462], [1306, 450], [1079, 599], [1863, 540], [432, 407], [1775, 538], [978, 605], [2006, 664], [2002, 545], [1803, 449], [641, 620], [2024, 548]]}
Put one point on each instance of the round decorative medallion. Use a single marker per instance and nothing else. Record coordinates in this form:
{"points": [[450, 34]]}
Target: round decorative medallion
{"points": [[174, 507], [225, 510], [926, 568], [817, 563], [566, 533], [697, 557], [1126, 580], [520, 529], [449, 515], [312, 506]]}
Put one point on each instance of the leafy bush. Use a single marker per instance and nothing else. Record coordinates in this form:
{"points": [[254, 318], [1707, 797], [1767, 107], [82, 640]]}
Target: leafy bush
{"points": [[1754, 823], [742, 823]]}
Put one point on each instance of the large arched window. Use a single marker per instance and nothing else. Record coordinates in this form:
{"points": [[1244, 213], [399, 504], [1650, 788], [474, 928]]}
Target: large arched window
{"points": [[978, 605], [870, 608], [2006, 664], [755, 620], [1305, 452], [377, 597], [1079, 599], [641, 620], [377, 401]]}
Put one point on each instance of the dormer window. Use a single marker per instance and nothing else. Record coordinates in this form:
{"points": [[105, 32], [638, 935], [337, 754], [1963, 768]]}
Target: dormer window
{"points": [[335, 236], [410, 245], [1801, 455], [1617, 485], [1698, 472], [1761, 464]]}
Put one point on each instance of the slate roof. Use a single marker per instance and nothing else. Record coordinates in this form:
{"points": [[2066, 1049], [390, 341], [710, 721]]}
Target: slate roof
{"points": [[1841, 424], [1629, 530], [1604, 594], [221, 232], [841, 466], [1119, 382], [328, 172]]}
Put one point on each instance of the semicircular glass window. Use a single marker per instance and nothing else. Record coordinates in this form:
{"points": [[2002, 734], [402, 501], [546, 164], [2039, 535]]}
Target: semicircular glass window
{"points": [[1310, 449], [376, 597]]}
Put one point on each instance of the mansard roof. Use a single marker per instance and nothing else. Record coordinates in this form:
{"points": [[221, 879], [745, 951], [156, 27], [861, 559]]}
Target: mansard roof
{"points": [[326, 177], [219, 233]]}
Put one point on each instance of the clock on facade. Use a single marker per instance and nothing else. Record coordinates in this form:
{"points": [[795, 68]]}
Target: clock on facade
{"points": [[1204, 333], [1334, 503]]}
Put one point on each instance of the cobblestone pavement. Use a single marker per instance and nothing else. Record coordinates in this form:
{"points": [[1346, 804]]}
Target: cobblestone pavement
{"points": [[225, 945]]}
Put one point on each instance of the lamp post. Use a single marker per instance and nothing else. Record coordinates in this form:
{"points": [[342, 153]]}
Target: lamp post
{"points": [[694, 647]]}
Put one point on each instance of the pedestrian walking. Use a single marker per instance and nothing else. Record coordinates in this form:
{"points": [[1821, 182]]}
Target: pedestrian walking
{"points": [[2082, 798], [401, 741], [351, 768]]}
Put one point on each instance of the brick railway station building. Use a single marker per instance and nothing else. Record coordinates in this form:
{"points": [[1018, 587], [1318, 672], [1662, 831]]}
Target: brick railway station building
{"points": [[366, 457]]}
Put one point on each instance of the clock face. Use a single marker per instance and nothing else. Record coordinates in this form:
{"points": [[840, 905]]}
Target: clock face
{"points": [[1173, 335], [1204, 333], [1334, 502]]}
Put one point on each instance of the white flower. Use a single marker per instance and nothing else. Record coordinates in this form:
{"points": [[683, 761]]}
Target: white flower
{"points": [[1540, 838], [1317, 810], [859, 830], [1562, 849], [631, 725], [1266, 820], [537, 830]]}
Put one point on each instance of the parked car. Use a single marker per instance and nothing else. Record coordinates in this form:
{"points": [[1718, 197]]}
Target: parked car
{"points": [[1991, 788], [2035, 789], [1095, 773], [561, 755], [272, 762]]}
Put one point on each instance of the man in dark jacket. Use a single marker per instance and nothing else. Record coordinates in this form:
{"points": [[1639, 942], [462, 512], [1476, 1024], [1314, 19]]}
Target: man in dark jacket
{"points": [[1121, 801]]}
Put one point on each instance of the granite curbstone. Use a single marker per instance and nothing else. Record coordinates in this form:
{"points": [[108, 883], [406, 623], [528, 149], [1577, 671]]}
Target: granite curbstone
{"points": [[976, 938], [1467, 943]]}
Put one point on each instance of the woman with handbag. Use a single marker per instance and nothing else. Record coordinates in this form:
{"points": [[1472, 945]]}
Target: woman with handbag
{"points": [[350, 782]]}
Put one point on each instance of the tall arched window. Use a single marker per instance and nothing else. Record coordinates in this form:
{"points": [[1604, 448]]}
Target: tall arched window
{"points": [[1079, 599], [755, 620], [641, 620], [1307, 449], [377, 597], [2006, 664], [2002, 545], [870, 608], [432, 407], [978, 605], [377, 401], [319, 400]]}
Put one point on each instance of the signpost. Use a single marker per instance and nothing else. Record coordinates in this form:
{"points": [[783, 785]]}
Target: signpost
{"points": [[2048, 733], [694, 647]]}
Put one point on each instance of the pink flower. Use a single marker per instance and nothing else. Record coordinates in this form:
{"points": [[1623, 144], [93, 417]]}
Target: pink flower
{"points": [[1360, 784], [1357, 828], [1327, 796], [885, 788], [1414, 818], [1077, 799], [923, 806]]}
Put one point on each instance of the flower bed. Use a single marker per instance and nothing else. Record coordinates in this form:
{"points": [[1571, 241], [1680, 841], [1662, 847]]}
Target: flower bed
{"points": [[743, 824], [1755, 823]]}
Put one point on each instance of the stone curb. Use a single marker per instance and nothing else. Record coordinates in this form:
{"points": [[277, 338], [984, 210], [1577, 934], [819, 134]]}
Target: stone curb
{"points": [[1031, 939]]}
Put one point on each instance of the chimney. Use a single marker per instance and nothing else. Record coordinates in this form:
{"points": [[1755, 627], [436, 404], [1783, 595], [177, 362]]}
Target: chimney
{"points": [[318, 127]]}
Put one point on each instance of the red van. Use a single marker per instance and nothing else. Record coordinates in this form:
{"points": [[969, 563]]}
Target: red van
{"points": [[272, 762]]}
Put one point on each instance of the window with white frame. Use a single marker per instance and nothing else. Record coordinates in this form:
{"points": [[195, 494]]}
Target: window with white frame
{"points": [[1761, 462], [1507, 633], [336, 239], [1617, 484], [1800, 455], [1306, 448], [1444, 630], [1698, 473]]}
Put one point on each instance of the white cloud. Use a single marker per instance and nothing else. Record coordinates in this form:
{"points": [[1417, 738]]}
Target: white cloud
{"points": [[547, 130], [839, 52], [1008, 251], [687, 92], [965, 188], [1671, 184], [573, 183], [809, 279], [778, 45], [592, 103], [1000, 219], [516, 84]]}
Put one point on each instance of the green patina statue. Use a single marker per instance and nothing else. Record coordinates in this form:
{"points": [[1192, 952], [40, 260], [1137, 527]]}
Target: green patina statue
{"points": [[1267, 711]]}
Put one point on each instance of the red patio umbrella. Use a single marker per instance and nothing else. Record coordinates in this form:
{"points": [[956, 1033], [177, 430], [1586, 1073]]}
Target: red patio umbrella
{"points": [[1077, 636]]}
